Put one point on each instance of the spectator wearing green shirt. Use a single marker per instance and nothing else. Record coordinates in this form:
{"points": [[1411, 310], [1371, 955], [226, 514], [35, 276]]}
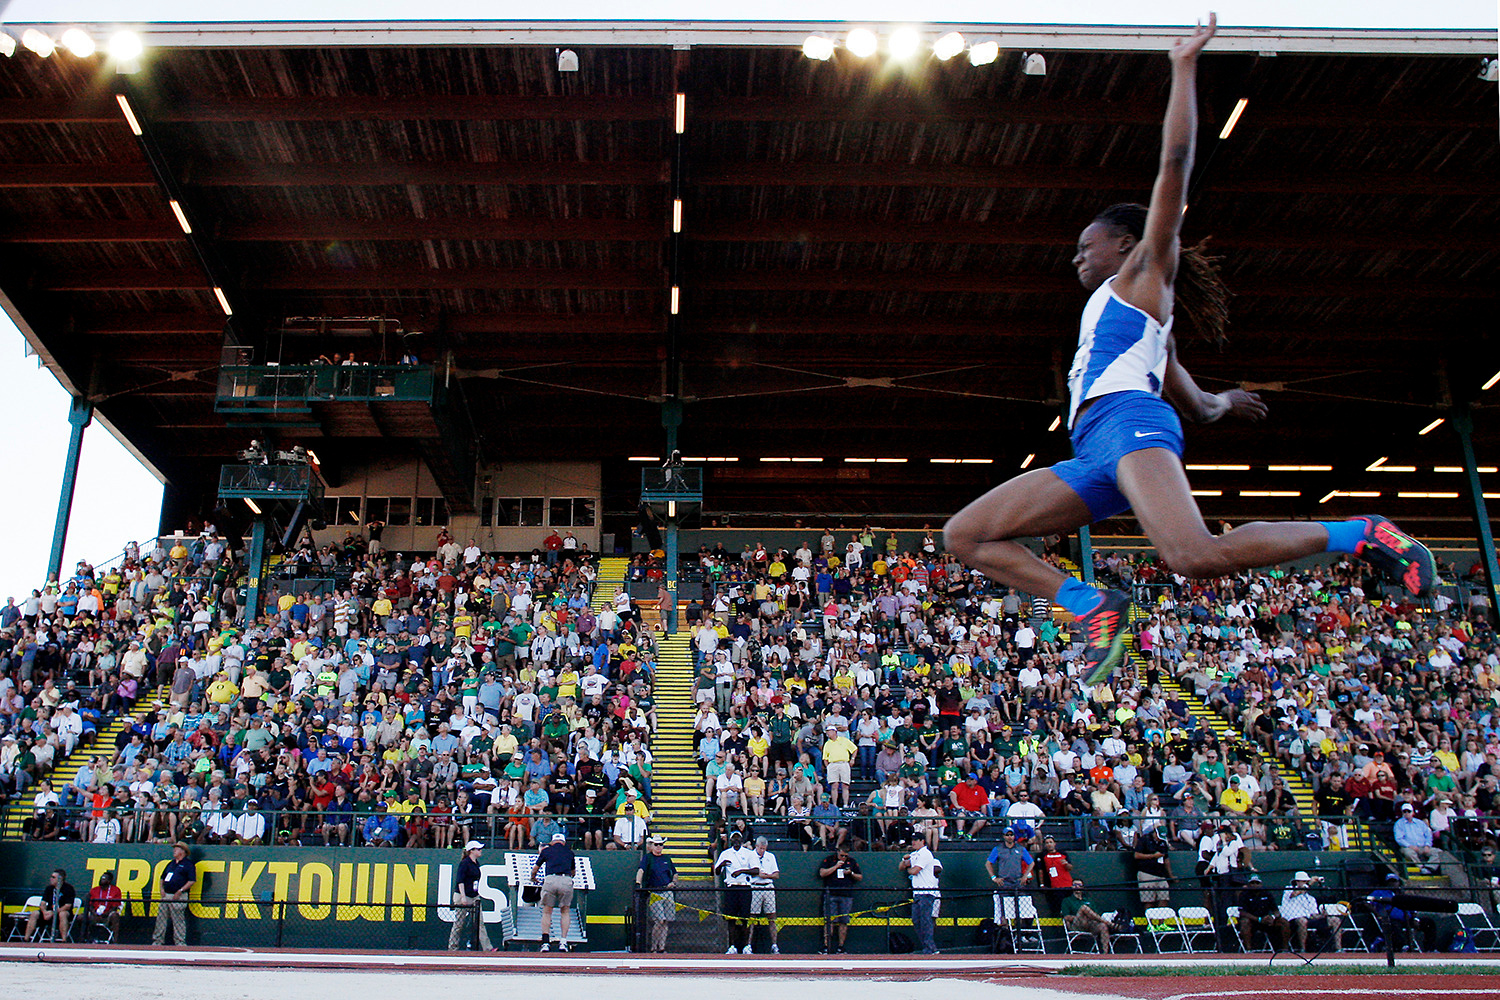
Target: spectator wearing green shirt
{"points": [[1212, 772], [1079, 915]]}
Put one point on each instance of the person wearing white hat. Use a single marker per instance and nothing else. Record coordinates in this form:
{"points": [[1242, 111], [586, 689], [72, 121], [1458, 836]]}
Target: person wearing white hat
{"points": [[1301, 909], [466, 901], [554, 868]]}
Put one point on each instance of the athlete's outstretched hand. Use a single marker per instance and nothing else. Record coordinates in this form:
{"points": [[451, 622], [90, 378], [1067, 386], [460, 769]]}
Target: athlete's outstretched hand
{"points": [[1245, 405], [1187, 49]]}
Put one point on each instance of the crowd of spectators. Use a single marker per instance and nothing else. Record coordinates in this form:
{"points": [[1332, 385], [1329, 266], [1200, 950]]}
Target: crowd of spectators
{"points": [[416, 702], [852, 692]]}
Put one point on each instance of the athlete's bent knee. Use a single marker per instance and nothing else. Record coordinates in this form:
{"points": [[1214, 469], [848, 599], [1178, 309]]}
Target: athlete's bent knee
{"points": [[1197, 560], [959, 537]]}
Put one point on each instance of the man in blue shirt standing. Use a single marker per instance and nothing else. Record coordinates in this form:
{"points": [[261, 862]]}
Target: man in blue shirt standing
{"points": [[176, 881]]}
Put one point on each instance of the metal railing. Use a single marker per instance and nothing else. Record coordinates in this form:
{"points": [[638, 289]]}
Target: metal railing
{"points": [[271, 482], [250, 387]]}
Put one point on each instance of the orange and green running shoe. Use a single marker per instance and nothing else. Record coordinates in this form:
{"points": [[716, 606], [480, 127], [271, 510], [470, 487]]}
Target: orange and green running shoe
{"points": [[1104, 636], [1400, 555]]}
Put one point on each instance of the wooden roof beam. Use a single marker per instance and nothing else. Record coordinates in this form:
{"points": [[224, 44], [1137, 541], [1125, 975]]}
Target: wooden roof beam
{"points": [[407, 229], [550, 174], [45, 175], [434, 107]]}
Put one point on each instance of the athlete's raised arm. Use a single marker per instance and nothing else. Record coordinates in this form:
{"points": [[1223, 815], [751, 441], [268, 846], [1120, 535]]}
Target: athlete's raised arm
{"points": [[1146, 277]]}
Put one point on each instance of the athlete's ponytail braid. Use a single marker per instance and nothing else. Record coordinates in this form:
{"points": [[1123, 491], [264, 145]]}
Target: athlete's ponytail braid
{"points": [[1202, 297]]}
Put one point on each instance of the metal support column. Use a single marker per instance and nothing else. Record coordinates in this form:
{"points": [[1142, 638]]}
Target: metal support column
{"points": [[1463, 423], [79, 414], [1086, 555], [257, 567], [671, 419]]}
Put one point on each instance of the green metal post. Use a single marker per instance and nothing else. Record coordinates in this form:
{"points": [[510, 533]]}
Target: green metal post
{"points": [[257, 567], [1086, 555], [671, 419], [1463, 423], [80, 412]]}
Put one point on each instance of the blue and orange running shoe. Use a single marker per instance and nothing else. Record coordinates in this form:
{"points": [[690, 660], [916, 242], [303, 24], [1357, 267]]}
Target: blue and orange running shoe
{"points": [[1104, 636], [1400, 555]]}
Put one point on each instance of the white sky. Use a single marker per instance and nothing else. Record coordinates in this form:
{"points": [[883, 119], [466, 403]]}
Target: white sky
{"points": [[117, 500]]}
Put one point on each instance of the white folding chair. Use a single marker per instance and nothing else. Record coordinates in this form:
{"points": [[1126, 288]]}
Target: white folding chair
{"points": [[1116, 936], [1196, 923], [1020, 914], [1347, 924], [1163, 926], [1479, 925], [19, 918], [1074, 935]]}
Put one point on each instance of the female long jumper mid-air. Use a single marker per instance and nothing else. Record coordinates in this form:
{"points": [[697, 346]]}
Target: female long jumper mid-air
{"points": [[1127, 390]]}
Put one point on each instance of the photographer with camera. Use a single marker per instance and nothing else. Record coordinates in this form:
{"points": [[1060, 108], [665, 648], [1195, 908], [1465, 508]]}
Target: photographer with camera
{"points": [[1301, 909]]}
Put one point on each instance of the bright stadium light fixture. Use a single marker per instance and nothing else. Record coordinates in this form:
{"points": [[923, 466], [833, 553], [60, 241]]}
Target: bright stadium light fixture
{"points": [[644, 458], [1217, 468], [1428, 496], [79, 42], [1489, 71], [891, 461], [130, 119], [1207, 493], [223, 301], [7, 45], [252, 505], [818, 47], [125, 46], [1431, 427], [776, 460], [807, 460], [976, 461], [943, 461], [181, 216], [983, 53], [1026, 462], [39, 42], [1490, 382], [1234, 117], [904, 43], [948, 46], [1056, 423], [857, 460], [1492, 496], [676, 299], [680, 117], [1299, 468], [676, 215], [1035, 65], [1270, 493], [1460, 468], [567, 61], [862, 42]]}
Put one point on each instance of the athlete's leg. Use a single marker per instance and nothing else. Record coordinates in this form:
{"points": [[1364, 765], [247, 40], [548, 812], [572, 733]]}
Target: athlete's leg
{"points": [[1037, 503], [1156, 485]]}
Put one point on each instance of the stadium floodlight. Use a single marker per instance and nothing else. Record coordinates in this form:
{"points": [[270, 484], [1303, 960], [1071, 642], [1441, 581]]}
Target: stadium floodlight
{"points": [[1035, 65], [125, 46], [1489, 71], [948, 46], [818, 47], [39, 42], [984, 53], [904, 43], [862, 42], [7, 45], [79, 42]]}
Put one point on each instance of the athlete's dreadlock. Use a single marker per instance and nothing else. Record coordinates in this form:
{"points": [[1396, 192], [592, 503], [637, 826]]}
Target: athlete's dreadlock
{"points": [[1202, 298]]}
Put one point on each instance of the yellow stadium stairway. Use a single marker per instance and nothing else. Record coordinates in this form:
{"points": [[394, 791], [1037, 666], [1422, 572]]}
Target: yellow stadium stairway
{"points": [[611, 575], [1294, 780], [67, 769], [677, 811]]}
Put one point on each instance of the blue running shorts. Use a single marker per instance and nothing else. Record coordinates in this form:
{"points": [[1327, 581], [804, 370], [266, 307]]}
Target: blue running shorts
{"points": [[1111, 428]]}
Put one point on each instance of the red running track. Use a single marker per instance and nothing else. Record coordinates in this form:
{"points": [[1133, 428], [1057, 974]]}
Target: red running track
{"points": [[1308, 987]]}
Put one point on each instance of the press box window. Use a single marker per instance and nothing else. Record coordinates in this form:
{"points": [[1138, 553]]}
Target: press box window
{"points": [[342, 510], [519, 512], [431, 511], [571, 512]]}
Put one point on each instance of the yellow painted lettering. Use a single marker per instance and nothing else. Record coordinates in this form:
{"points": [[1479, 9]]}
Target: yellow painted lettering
{"points": [[314, 885], [97, 867], [241, 891], [195, 895], [377, 892], [134, 880], [409, 885]]}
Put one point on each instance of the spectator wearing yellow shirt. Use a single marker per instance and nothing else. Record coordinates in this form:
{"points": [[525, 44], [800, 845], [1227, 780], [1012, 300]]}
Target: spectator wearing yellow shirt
{"points": [[838, 752], [381, 609], [222, 690], [1234, 798]]}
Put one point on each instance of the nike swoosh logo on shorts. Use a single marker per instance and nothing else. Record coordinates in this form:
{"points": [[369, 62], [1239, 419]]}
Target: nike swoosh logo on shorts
{"points": [[1146, 434]]}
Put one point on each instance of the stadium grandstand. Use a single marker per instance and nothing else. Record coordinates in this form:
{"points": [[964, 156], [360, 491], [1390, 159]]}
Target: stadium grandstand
{"points": [[557, 425]]}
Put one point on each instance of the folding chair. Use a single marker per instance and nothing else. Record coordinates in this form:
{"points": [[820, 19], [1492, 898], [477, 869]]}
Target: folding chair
{"points": [[1115, 937], [1347, 924], [1073, 937], [1196, 923], [1020, 915], [19, 918], [1162, 924], [1479, 925]]}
